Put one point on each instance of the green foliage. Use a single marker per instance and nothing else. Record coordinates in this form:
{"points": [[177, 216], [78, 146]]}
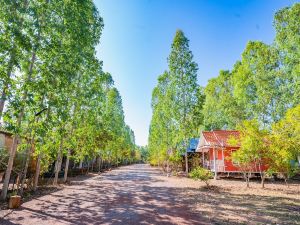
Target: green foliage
{"points": [[287, 41], [263, 85], [278, 148], [176, 103], [53, 86], [253, 97], [3, 158], [285, 142], [201, 174], [254, 150], [220, 108], [144, 153]]}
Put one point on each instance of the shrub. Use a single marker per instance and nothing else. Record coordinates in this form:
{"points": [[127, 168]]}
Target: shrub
{"points": [[202, 174]]}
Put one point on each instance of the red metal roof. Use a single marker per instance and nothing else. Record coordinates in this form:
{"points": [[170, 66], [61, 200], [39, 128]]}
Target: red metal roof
{"points": [[219, 137]]}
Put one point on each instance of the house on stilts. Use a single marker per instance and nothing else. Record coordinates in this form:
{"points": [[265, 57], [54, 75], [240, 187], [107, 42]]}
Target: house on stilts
{"points": [[215, 152]]}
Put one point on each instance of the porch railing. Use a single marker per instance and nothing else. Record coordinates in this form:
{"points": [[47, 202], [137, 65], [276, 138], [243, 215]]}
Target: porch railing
{"points": [[219, 165]]}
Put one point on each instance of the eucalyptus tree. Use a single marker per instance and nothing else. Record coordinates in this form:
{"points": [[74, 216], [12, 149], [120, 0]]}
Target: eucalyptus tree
{"points": [[114, 116], [89, 128], [264, 84], [183, 76], [284, 144], [13, 42], [258, 84], [56, 49], [287, 41], [35, 18], [163, 127], [220, 108], [254, 150], [176, 103]]}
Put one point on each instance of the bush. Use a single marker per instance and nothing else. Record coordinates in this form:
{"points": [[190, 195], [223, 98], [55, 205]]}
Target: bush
{"points": [[202, 174]]}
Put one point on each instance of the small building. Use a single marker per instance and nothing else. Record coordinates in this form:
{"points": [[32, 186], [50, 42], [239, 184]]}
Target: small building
{"points": [[6, 140], [216, 152], [193, 156]]}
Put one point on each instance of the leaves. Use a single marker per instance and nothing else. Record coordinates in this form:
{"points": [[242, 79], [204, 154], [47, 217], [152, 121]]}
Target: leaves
{"points": [[52, 84], [177, 104], [202, 174]]}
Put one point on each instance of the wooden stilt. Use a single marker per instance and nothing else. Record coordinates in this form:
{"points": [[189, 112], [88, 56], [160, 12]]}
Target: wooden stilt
{"points": [[203, 158], [215, 163]]}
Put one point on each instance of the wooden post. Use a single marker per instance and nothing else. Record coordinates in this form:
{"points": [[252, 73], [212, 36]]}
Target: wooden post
{"points": [[215, 163], [203, 158], [223, 159], [186, 162]]}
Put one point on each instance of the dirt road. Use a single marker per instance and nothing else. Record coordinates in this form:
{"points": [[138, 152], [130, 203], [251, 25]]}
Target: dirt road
{"points": [[140, 194], [129, 195]]}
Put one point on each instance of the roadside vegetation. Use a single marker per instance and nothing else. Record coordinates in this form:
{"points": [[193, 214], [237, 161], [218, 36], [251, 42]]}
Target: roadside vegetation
{"points": [[260, 97], [56, 100], [201, 174]]}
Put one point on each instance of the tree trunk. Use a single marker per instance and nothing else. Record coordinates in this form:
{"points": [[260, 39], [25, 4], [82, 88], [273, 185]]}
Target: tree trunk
{"points": [[67, 167], [37, 172], [248, 179], [9, 167], [88, 169], [28, 154], [14, 146], [80, 163], [167, 168], [93, 165], [3, 98], [58, 163], [286, 180], [262, 175], [262, 180], [99, 165], [186, 162]]}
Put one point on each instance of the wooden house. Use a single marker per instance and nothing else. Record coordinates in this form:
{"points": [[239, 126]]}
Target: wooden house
{"points": [[6, 140], [216, 152]]}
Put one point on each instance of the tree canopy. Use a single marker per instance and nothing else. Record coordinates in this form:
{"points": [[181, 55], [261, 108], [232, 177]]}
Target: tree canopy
{"points": [[258, 96], [54, 93]]}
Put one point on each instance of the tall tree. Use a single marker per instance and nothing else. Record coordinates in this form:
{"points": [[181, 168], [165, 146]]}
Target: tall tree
{"points": [[220, 109], [284, 144], [257, 84], [287, 41], [57, 50], [177, 103], [183, 73]]}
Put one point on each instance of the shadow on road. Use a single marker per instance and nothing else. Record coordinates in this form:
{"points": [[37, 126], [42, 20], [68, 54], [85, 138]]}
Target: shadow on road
{"points": [[129, 195]]}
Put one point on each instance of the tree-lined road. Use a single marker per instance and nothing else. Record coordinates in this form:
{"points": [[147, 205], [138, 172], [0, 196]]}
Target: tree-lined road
{"points": [[135, 194]]}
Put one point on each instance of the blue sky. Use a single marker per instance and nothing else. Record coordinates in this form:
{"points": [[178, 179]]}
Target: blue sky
{"points": [[138, 34]]}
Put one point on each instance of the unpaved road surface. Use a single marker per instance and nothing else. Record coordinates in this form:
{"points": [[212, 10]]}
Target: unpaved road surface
{"points": [[140, 194], [136, 194]]}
